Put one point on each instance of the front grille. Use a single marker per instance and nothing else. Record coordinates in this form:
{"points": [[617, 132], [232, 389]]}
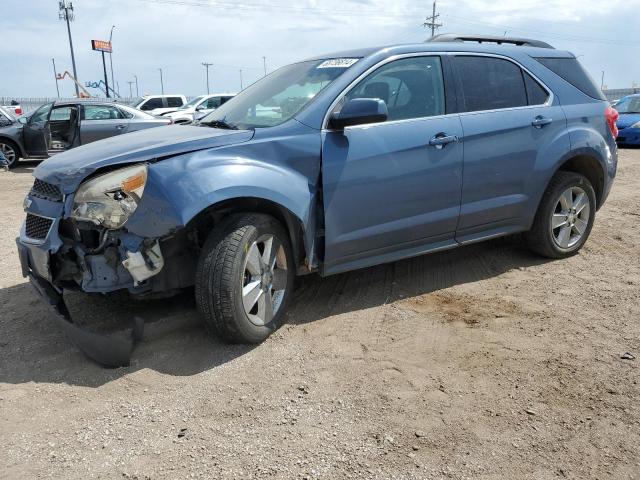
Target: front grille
{"points": [[46, 190], [37, 227]]}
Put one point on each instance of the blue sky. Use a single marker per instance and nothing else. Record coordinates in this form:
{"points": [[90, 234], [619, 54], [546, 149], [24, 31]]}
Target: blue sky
{"points": [[178, 35]]}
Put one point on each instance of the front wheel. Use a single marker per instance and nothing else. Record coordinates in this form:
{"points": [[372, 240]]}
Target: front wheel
{"points": [[10, 152], [564, 218], [245, 277]]}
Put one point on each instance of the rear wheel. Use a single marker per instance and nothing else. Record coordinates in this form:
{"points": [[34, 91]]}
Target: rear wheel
{"points": [[565, 216], [245, 277], [10, 152]]}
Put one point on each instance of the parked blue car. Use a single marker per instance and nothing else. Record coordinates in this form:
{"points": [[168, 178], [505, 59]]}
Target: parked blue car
{"points": [[331, 164], [629, 121]]}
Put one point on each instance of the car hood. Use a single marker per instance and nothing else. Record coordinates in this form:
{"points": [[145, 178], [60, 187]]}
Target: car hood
{"points": [[68, 169], [627, 119]]}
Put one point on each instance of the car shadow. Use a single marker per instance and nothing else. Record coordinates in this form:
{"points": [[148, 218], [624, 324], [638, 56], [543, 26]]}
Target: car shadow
{"points": [[25, 166], [33, 349]]}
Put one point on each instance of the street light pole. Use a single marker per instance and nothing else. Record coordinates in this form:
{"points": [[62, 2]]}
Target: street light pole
{"points": [[241, 80], [130, 88], [137, 91], [113, 83], [207, 65], [161, 82], [55, 75], [66, 14], [602, 81], [264, 64]]}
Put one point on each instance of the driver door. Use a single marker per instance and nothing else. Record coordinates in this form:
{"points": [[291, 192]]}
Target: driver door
{"points": [[392, 190], [36, 134]]}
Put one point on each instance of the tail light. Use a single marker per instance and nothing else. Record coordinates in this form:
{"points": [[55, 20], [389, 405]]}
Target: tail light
{"points": [[611, 115], [18, 111]]}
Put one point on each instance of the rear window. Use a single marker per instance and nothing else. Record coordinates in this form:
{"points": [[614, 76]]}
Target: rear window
{"points": [[572, 71], [174, 101]]}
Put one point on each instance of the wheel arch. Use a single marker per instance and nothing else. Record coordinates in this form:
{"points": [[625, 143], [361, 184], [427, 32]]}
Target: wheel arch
{"points": [[14, 142], [590, 167]]}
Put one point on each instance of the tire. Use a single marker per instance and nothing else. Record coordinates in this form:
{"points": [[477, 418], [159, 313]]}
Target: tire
{"points": [[228, 277], [564, 218], [10, 151]]}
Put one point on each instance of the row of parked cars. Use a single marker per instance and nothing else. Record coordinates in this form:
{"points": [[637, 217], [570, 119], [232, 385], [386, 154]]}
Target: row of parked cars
{"points": [[59, 126]]}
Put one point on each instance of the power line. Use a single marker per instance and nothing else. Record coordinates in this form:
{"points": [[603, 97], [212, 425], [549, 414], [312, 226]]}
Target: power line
{"points": [[431, 21]]}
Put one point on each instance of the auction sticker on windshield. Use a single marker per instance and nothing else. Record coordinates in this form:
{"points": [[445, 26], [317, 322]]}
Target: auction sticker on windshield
{"points": [[338, 63]]}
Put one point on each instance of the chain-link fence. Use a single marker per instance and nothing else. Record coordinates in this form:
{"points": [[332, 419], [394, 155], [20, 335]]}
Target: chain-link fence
{"points": [[29, 104]]}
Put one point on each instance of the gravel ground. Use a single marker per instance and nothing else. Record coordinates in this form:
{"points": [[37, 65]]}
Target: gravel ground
{"points": [[483, 362]]}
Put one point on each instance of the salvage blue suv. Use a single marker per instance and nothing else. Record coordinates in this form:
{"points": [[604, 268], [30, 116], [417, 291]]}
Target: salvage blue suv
{"points": [[327, 165]]}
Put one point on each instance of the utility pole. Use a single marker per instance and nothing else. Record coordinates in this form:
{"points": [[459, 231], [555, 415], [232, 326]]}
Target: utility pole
{"points": [[113, 83], [241, 80], [66, 13], [264, 64], [602, 81], [130, 89], [431, 21], [55, 75], [207, 65], [137, 91], [106, 79], [161, 82]]}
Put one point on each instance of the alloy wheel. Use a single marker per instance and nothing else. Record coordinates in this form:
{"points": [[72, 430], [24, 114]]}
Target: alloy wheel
{"points": [[8, 152], [264, 280], [570, 217]]}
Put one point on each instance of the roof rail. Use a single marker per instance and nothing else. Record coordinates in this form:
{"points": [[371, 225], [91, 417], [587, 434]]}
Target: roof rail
{"points": [[452, 37]]}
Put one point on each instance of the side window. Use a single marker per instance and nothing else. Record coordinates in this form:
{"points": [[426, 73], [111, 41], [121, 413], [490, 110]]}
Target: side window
{"points": [[102, 112], [213, 102], [490, 83], [62, 114], [41, 115], [152, 103], [174, 102], [411, 88], [535, 93], [224, 100]]}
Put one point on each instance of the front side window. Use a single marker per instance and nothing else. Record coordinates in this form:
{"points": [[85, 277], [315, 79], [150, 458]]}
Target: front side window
{"points": [[490, 83], [102, 112], [152, 103], [411, 88], [213, 102], [194, 102], [279, 96]]}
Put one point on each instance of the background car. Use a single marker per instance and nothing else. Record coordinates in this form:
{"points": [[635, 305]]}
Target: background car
{"points": [[15, 108], [60, 126], [629, 120], [200, 105], [158, 104]]}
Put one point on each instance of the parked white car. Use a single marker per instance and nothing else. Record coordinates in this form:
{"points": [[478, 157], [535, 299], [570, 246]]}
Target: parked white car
{"points": [[200, 105], [158, 104]]}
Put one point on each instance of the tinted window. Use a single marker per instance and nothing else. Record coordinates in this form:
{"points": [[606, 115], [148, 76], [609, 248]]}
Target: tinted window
{"points": [[102, 112], [490, 83], [152, 103], [411, 88], [174, 101], [224, 100], [571, 70], [213, 102], [535, 93]]}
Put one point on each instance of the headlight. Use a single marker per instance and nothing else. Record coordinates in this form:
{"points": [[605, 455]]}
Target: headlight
{"points": [[110, 199]]}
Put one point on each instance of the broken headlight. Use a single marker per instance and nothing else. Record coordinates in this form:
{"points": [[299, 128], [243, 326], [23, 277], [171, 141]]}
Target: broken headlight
{"points": [[110, 199]]}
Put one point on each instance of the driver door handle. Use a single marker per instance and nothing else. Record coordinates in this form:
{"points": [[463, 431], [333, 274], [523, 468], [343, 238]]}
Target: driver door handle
{"points": [[120, 127], [442, 139]]}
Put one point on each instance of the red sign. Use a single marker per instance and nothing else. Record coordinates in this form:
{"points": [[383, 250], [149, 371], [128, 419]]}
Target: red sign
{"points": [[101, 46]]}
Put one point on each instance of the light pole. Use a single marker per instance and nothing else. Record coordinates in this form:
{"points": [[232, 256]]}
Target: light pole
{"points": [[161, 82], [241, 80], [602, 81], [137, 91], [66, 14], [264, 64], [55, 75], [113, 84], [130, 88], [207, 65]]}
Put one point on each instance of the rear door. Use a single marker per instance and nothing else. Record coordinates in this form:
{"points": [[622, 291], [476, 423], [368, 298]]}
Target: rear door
{"points": [[509, 122], [101, 121], [36, 133], [389, 191]]}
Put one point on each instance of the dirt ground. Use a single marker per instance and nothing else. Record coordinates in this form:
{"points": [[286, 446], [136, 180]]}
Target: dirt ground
{"points": [[484, 362]]}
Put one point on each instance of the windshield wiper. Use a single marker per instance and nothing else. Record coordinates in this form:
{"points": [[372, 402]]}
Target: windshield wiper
{"points": [[219, 124]]}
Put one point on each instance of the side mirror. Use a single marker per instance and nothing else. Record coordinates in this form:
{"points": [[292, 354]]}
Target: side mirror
{"points": [[23, 120], [359, 111]]}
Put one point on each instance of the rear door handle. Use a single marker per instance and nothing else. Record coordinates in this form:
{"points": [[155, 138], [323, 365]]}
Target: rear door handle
{"points": [[541, 121], [442, 139], [120, 127]]}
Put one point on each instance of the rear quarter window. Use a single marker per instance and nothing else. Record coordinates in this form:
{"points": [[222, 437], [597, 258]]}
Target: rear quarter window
{"points": [[572, 71]]}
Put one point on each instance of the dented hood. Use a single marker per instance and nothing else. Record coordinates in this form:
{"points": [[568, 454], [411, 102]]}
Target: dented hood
{"points": [[68, 169]]}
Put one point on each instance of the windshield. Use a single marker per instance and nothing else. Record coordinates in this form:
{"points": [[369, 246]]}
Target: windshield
{"points": [[135, 101], [628, 105], [192, 103], [279, 96]]}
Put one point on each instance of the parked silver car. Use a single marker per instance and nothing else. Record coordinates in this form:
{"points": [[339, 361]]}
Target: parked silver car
{"points": [[59, 126], [201, 105]]}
